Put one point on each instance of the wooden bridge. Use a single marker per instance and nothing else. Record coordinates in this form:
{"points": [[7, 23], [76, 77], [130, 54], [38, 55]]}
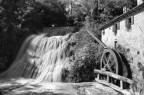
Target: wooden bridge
{"points": [[123, 84]]}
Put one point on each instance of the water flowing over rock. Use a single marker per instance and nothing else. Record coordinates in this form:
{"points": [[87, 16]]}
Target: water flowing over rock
{"points": [[40, 66], [42, 58]]}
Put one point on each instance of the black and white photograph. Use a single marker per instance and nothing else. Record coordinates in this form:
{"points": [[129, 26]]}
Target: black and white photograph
{"points": [[71, 47]]}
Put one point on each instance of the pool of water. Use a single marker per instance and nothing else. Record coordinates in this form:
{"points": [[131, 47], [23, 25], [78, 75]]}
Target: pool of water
{"points": [[32, 87]]}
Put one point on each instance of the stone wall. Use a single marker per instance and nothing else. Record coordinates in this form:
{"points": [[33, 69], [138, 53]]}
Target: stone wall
{"points": [[131, 43]]}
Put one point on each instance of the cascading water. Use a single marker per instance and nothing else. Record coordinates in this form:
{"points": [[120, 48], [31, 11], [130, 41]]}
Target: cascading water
{"points": [[38, 69], [42, 58]]}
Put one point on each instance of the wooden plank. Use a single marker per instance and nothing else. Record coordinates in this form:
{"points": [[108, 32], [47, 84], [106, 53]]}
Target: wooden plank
{"points": [[117, 88], [121, 84], [98, 40], [114, 76], [98, 76], [107, 78]]}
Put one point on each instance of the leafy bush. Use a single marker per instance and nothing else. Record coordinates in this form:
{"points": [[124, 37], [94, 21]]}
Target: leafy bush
{"points": [[82, 70], [87, 54]]}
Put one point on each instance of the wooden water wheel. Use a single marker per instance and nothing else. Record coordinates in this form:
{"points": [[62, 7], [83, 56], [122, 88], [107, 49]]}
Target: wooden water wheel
{"points": [[114, 69], [111, 62]]}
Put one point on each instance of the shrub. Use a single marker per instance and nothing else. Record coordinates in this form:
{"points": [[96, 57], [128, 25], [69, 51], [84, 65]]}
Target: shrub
{"points": [[87, 54]]}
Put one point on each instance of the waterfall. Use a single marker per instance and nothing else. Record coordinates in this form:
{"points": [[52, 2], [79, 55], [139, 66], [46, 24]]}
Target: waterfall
{"points": [[42, 58]]}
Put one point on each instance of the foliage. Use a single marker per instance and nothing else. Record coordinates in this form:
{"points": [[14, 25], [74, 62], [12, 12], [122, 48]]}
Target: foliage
{"points": [[32, 14], [12, 35], [87, 55], [20, 18], [87, 51], [99, 10], [92, 25], [54, 13], [131, 3], [107, 10], [82, 71]]}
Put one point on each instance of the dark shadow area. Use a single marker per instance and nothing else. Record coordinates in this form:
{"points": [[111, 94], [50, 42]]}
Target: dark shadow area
{"points": [[11, 42], [127, 65], [123, 52], [21, 67], [126, 85]]}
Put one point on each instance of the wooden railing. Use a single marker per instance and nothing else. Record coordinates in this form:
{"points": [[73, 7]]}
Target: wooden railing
{"points": [[106, 81]]}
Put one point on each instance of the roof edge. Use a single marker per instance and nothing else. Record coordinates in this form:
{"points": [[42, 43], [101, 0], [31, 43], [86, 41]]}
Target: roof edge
{"points": [[123, 16]]}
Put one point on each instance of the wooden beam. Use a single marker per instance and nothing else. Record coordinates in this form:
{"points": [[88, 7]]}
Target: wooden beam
{"points": [[117, 88], [121, 84], [98, 40], [98, 76], [108, 78], [114, 76]]}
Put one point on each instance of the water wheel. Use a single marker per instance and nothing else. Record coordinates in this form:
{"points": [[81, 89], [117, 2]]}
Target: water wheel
{"points": [[111, 62]]}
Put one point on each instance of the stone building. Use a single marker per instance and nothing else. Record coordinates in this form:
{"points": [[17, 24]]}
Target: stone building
{"points": [[126, 34]]}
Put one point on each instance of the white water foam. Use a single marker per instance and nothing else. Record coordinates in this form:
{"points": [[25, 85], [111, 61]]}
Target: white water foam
{"points": [[42, 58]]}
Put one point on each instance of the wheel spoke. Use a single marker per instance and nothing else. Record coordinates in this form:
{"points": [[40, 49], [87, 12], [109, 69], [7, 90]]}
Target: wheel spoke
{"points": [[104, 61], [109, 58], [108, 62], [109, 67]]}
